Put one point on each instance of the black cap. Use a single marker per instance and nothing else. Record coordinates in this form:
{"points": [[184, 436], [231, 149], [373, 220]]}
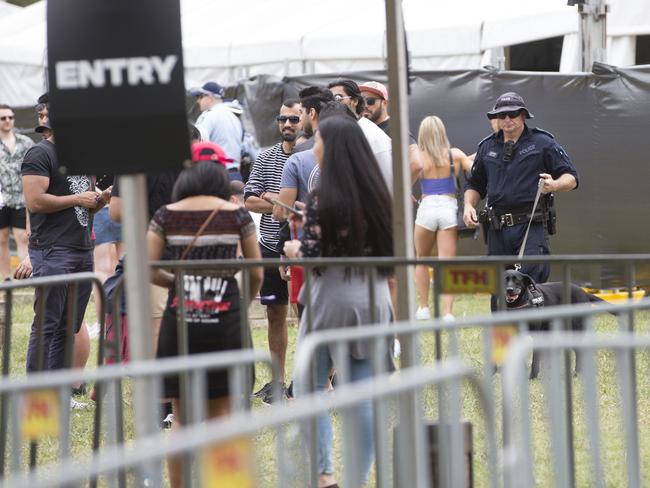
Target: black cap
{"points": [[43, 126], [509, 102]]}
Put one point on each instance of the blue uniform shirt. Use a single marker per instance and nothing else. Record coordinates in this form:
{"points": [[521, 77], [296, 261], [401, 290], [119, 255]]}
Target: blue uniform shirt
{"points": [[511, 186]]}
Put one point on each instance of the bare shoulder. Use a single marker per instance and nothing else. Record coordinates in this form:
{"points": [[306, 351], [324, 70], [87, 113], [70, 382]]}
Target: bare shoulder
{"points": [[457, 153]]}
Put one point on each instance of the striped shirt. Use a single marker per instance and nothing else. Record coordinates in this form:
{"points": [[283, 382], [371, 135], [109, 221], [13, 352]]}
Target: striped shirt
{"points": [[265, 177]]}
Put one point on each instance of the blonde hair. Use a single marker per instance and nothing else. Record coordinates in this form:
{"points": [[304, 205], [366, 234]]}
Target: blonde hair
{"points": [[432, 140]]}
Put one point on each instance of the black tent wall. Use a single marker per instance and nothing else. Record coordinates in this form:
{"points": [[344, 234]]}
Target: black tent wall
{"points": [[600, 118]]}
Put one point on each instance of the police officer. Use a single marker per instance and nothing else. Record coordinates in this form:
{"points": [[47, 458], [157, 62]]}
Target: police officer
{"points": [[508, 167]]}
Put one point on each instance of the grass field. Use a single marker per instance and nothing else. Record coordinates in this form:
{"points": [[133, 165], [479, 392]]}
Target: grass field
{"points": [[470, 340]]}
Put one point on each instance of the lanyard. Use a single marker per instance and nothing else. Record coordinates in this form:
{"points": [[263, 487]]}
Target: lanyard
{"points": [[540, 185]]}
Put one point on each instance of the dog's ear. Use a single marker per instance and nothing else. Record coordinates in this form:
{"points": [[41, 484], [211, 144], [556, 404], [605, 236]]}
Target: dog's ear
{"points": [[528, 281]]}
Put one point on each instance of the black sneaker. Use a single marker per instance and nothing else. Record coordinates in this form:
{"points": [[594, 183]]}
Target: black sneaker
{"points": [[262, 392], [268, 397], [290, 390], [81, 390]]}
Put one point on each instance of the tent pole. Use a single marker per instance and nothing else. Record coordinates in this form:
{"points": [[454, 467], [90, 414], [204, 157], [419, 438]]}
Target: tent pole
{"points": [[593, 32], [412, 464]]}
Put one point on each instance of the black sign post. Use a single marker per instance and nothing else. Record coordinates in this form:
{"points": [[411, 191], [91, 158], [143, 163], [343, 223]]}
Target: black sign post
{"points": [[117, 105]]}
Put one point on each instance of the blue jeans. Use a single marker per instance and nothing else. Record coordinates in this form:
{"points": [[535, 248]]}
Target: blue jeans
{"points": [[50, 262], [362, 415]]}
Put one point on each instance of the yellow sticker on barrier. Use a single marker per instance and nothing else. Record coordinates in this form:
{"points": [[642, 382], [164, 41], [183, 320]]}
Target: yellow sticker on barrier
{"points": [[228, 465], [469, 279], [40, 414], [501, 337]]}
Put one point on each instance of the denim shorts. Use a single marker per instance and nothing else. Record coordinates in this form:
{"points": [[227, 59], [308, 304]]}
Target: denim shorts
{"points": [[105, 229]]}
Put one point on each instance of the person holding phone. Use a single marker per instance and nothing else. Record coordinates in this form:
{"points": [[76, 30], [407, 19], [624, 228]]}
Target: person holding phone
{"points": [[347, 215]]}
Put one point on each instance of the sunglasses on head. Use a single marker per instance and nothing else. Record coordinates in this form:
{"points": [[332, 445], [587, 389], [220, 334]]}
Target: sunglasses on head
{"points": [[7, 117], [512, 115], [370, 101], [338, 98], [293, 119]]}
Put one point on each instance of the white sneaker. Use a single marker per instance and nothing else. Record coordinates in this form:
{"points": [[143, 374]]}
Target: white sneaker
{"points": [[422, 313], [93, 331], [397, 349], [448, 318], [75, 405]]}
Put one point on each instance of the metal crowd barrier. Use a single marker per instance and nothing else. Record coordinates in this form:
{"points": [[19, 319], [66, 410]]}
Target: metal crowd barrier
{"points": [[245, 424], [39, 403], [41, 286], [377, 335], [487, 275], [518, 449]]}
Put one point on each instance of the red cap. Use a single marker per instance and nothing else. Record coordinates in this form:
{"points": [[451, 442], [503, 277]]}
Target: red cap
{"points": [[209, 151], [375, 88]]}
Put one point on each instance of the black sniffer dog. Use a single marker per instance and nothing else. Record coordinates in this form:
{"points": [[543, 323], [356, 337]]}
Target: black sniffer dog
{"points": [[521, 292]]}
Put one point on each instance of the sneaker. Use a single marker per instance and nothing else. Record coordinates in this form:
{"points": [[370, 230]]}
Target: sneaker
{"points": [[262, 392], [290, 390], [168, 421], [75, 405], [422, 313], [448, 318], [268, 398], [93, 331], [81, 390]]}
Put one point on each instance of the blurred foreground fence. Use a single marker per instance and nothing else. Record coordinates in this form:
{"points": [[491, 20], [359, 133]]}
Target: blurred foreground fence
{"points": [[443, 402]]}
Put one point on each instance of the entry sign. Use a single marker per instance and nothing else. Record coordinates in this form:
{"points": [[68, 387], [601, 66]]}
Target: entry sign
{"points": [[117, 96], [40, 414], [469, 279]]}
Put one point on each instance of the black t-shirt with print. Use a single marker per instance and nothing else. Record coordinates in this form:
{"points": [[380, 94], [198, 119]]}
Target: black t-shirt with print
{"points": [[67, 228]]}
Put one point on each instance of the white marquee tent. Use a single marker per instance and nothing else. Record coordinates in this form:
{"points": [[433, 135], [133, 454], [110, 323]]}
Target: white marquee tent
{"points": [[264, 36]]}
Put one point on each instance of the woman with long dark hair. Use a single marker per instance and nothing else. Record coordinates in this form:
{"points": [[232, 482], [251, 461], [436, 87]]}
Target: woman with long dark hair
{"points": [[348, 215], [202, 223]]}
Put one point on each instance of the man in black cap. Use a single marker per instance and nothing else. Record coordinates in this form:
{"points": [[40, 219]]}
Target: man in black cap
{"points": [[60, 215], [511, 166]]}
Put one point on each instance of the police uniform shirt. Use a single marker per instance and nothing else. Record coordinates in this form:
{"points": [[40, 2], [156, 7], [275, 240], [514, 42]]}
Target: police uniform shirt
{"points": [[512, 185]]}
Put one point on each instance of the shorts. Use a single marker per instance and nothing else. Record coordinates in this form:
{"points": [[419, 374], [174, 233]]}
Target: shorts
{"points": [[274, 289], [437, 212], [13, 217], [106, 231]]}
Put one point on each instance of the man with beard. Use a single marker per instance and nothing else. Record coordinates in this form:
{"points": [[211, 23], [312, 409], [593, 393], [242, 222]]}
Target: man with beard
{"points": [[262, 187], [375, 97]]}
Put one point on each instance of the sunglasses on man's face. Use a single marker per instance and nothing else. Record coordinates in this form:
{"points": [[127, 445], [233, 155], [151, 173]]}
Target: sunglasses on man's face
{"points": [[7, 117], [511, 115], [370, 101], [293, 119]]}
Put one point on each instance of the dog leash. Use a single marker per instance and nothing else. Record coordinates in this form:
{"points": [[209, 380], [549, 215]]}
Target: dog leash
{"points": [[540, 185]]}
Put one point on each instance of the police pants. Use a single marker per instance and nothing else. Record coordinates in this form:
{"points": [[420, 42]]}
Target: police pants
{"points": [[507, 241]]}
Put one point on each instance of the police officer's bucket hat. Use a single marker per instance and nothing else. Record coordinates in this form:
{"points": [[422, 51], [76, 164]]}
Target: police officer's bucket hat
{"points": [[509, 102]]}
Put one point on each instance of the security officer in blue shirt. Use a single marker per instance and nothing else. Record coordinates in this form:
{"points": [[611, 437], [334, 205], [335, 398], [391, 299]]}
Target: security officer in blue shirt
{"points": [[507, 170]]}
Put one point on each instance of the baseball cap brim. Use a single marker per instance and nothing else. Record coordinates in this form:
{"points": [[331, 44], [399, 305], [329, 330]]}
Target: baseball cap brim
{"points": [[374, 91], [195, 92], [508, 108], [44, 126]]}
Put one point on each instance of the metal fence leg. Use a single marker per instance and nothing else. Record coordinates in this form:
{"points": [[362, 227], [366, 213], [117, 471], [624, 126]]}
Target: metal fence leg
{"points": [[589, 372], [6, 361]]}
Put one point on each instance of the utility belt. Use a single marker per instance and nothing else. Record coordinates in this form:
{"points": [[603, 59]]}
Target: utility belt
{"points": [[497, 219]]}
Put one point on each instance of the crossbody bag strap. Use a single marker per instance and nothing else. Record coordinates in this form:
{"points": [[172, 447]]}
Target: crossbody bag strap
{"points": [[205, 223]]}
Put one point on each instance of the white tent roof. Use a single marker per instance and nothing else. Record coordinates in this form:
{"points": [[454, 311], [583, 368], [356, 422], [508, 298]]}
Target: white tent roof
{"points": [[334, 36]]}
